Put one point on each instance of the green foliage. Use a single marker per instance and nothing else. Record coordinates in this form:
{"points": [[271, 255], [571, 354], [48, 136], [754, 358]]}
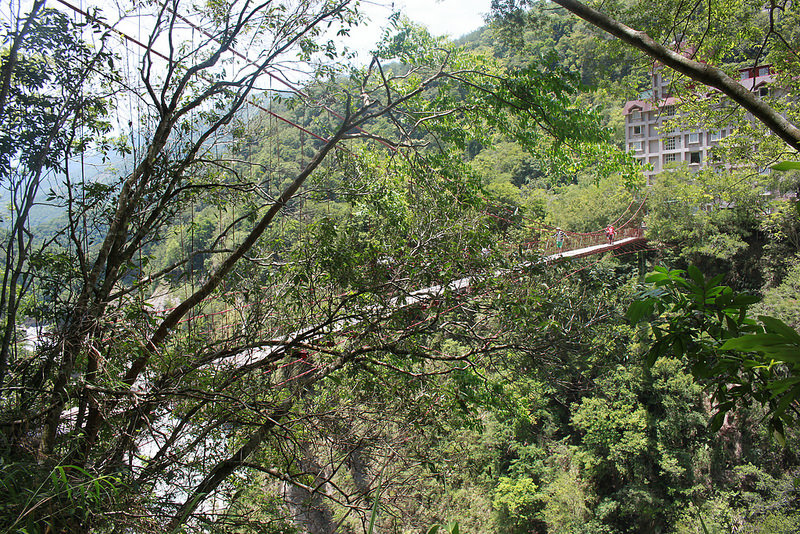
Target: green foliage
{"points": [[711, 219], [545, 30], [53, 69], [517, 500], [534, 104], [65, 498], [786, 166], [677, 423], [739, 359], [710, 213], [565, 506], [591, 205], [781, 225], [375, 509], [781, 301], [613, 431], [521, 407], [449, 528], [505, 167], [756, 503], [258, 508]]}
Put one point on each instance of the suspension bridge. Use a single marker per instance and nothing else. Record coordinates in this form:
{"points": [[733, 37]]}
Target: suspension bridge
{"points": [[430, 298], [226, 315], [230, 336]]}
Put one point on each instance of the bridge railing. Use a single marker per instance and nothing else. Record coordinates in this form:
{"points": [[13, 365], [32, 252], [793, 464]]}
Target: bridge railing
{"points": [[546, 244]]}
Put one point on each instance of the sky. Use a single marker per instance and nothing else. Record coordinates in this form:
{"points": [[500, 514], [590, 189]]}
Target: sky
{"points": [[453, 18], [447, 17], [442, 17]]}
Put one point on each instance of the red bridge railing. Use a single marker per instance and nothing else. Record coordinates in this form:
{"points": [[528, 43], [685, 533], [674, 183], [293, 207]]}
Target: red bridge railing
{"points": [[546, 244]]}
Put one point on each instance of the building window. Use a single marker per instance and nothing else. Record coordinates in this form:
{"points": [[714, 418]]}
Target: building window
{"points": [[636, 115], [637, 130], [636, 146], [763, 91], [670, 143], [694, 137], [715, 135], [668, 111], [763, 71], [744, 74], [670, 158], [695, 157]]}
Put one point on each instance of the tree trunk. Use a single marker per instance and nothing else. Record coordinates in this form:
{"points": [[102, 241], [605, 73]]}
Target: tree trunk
{"points": [[309, 511]]}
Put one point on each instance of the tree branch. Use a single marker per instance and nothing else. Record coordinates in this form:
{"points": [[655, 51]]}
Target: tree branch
{"points": [[703, 73]]}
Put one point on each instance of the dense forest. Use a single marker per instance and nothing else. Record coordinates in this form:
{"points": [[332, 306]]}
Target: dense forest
{"points": [[251, 286]]}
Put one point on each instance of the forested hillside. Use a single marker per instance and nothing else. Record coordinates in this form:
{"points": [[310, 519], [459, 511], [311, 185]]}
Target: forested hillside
{"points": [[299, 295]]}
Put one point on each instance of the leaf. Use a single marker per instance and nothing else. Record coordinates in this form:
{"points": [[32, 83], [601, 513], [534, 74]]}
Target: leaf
{"points": [[776, 326], [786, 166], [433, 530], [640, 309], [778, 431], [375, 507], [731, 324], [754, 342], [790, 354], [716, 421], [696, 275], [658, 349], [744, 299], [79, 469], [656, 277], [779, 386], [780, 438], [679, 344], [62, 475], [785, 401]]}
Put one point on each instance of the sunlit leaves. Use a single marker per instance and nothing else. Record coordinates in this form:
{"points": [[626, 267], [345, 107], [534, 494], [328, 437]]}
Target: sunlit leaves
{"points": [[478, 98], [52, 81], [710, 214]]}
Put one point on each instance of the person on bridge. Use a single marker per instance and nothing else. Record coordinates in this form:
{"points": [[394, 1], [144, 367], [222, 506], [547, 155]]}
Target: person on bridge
{"points": [[560, 235], [610, 233]]}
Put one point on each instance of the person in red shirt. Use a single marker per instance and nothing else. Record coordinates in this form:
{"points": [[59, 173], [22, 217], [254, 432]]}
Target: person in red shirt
{"points": [[610, 233]]}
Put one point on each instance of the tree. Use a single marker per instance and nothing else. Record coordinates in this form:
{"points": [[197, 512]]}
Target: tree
{"points": [[698, 25], [739, 359], [712, 220], [50, 107], [147, 410]]}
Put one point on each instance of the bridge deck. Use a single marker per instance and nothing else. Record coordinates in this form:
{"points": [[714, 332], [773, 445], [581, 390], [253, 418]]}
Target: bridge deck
{"points": [[421, 296], [463, 284], [595, 249]]}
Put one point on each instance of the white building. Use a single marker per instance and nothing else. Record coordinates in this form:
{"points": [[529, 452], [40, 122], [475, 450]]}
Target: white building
{"points": [[651, 142]]}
